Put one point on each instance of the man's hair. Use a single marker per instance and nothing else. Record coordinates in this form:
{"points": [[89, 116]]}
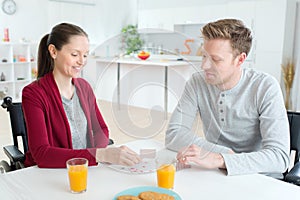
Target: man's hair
{"points": [[230, 29]]}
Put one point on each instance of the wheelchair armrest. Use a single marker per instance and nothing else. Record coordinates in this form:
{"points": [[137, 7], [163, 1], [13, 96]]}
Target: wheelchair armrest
{"points": [[110, 142], [14, 154], [293, 176]]}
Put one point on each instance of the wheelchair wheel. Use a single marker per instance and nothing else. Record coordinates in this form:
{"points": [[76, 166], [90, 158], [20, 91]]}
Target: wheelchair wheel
{"points": [[19, 165], [4, 165]]}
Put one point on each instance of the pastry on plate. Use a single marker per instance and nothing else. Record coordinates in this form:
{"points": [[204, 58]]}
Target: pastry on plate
{"points": [[128, 197], [149, 195]]}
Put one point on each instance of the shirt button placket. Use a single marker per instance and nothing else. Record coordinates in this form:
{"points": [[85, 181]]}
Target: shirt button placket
{"points": [[222, 108]]}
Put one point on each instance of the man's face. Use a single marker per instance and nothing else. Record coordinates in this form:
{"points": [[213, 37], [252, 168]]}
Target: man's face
{"points": [[221, 68]]}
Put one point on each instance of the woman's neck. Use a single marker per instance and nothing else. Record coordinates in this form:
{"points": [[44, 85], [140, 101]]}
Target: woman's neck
{"points": [[65, 85]]}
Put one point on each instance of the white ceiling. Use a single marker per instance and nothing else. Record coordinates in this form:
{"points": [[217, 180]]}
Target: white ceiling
{"points": [[157, 4]]}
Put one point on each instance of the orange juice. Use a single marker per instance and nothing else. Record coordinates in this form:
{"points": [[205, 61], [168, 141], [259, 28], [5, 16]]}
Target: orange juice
{"points": [[78, 178], [165, 176]]}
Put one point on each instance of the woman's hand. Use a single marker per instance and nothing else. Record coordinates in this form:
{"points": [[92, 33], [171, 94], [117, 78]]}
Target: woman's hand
{"points": [[118, 155], [201, 157]]}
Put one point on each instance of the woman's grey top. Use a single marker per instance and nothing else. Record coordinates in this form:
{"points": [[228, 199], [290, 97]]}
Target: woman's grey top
{"points": [[77, 121]]}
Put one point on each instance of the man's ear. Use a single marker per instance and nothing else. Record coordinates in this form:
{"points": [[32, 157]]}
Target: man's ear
{"points": [[52, 50], [241, 58]]}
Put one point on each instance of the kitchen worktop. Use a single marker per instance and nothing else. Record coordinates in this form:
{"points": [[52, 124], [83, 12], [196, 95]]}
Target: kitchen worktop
{"points": [[152, 60]]}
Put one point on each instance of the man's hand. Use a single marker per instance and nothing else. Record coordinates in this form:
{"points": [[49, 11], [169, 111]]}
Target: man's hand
{"points": [[118, 155], [201, 157]]}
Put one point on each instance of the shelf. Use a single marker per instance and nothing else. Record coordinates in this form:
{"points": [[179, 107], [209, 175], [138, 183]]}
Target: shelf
{"points": [[22, 80], [6, 82], [154, 31], [21, 63], [7, 63], [21, 53]]}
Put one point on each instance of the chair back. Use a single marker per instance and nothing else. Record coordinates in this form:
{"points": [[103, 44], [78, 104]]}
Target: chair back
{"points": [[294, 121], [17, 122]]}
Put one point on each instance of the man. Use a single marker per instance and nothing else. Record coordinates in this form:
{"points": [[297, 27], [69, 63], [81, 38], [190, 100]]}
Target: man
{"points": [[244, 119]]}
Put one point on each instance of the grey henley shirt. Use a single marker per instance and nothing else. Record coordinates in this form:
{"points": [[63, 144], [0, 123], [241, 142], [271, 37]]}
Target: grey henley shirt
{"points": [[249, 119]]}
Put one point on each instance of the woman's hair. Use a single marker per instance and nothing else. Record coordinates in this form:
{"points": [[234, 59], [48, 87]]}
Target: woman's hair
{"points": [[230, 29], [60, 35]]}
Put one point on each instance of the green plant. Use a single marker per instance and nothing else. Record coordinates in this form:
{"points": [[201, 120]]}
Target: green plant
{"points": [[131, 39]]}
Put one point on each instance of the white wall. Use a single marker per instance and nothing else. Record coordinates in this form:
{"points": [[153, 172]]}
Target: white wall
{"points": [[295, 95], [101, 21], [34, 18], [30, 20], [265, 17], [272, 21]]}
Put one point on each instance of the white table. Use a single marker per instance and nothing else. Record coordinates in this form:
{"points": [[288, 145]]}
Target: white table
{"points": [[103, 183]]}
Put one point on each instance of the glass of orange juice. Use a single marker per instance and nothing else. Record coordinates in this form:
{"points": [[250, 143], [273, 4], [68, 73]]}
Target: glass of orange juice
{"points": [[165, 172], [77, 171]]}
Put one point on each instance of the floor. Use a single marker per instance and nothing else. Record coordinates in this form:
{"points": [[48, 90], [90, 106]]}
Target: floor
{"points": [[125, 123]]}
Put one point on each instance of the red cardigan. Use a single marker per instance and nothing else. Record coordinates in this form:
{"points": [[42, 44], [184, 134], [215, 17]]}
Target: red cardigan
{"points": [[48, 130]]}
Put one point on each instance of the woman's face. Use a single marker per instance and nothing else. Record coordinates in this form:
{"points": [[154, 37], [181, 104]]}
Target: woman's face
{"points": [[70, 60]]}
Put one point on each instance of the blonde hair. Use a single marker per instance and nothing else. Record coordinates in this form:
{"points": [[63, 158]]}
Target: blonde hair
{"points": [[233, 30]]}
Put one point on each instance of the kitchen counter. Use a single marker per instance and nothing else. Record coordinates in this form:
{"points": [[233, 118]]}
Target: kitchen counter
{"points": [[132, 81]]}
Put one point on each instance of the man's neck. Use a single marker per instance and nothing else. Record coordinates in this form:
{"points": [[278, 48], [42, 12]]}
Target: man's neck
{"points": [[232, 82]]}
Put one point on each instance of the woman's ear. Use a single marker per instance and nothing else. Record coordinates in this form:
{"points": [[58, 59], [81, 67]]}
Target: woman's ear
{"points": [[52, 50]]}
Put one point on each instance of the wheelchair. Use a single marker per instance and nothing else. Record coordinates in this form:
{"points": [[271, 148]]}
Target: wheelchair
{"points": [[18, 127]]}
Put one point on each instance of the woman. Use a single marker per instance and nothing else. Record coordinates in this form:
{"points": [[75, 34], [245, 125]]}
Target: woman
{"points": [[62, 117]]}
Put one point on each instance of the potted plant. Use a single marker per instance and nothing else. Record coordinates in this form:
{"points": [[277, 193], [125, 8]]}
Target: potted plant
{"points": [[131, 41]]}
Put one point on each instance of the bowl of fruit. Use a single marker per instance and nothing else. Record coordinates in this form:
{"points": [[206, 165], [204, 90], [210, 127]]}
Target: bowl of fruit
{"points": [[143, 55]]}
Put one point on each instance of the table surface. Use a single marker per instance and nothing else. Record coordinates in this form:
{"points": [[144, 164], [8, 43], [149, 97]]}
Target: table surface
{"points": [[155, 61], [103, 183]]}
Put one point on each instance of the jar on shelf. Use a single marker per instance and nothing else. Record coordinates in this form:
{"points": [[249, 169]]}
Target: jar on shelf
{"points": [[2, 77]]}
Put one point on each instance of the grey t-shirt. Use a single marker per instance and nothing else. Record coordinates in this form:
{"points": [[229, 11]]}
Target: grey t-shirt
{"points": [[77, 121], [250, 119]]}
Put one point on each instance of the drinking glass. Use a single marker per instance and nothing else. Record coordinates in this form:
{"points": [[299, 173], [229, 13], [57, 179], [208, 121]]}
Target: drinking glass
{"points": [[165, 171], [77, 171]]}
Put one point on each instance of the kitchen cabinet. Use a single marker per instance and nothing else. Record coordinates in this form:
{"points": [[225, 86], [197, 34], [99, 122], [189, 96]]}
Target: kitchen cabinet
{"points": [[192, 30], [17, 68], [193, 41]]}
